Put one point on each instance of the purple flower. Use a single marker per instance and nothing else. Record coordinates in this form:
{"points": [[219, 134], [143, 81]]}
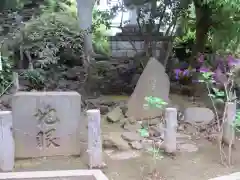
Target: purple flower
{"points": [[201, 58], [219, 76], [186, 72], [203, 69], [232, 61], [177, 73]]}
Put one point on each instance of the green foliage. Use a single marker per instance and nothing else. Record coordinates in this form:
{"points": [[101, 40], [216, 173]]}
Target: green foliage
{"points": [[144, 132], [183, 44], [35, 78], [162, 15], [101, 23], [57, 6], [225, 26], [154, 102], [100, 43], [48, 37], [236, 123], [6, 73]]}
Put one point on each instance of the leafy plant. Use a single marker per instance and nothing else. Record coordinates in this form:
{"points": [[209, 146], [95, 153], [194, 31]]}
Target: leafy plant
{"points": [[50, 37], [220, 85], [236, 123], [152, 102], [35, 78], [5, 73]]}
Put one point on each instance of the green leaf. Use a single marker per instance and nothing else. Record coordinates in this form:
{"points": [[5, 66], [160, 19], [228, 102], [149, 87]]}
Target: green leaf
{"points": [[144, 132], [215, 90], [211, 95], [220, 94], [207, 75]]}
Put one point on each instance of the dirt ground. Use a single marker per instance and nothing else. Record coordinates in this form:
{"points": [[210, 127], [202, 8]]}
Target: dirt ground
{"points": [[200, 165]]}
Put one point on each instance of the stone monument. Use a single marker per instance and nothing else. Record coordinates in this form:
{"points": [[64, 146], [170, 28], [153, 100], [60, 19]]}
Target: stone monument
{"points": [[46, 123]]}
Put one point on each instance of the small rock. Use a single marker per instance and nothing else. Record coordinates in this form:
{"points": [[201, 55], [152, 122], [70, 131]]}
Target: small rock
{"points": [[115, 115], [181, 136], [132, 127], [107, 103], [190, 129], [188, 148], [136, 145], [113, 140], [104, 109], [131, 136], [124, 109], [155, 131], [147, 144], [6, 99], [180, 128], [198, 115], [151, 122], [132, 120], [123, 155]]}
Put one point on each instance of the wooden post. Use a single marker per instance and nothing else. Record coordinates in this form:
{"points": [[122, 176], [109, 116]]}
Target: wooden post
{"points": [[15, 81], [94, 139], [170, 142], [228, 129], [7, 148]]}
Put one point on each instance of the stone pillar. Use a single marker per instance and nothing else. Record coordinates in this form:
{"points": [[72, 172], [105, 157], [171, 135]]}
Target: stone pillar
{"points": [[228, 129], [94, 139], [7, 148], [170, 144]]}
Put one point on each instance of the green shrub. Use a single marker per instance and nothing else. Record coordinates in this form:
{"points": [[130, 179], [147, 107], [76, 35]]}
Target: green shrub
{"points": [[35, 77], [50, 37]]}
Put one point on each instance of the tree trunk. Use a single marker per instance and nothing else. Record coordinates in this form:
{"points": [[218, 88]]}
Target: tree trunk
{"points": [[84, 9], [203, 23]]}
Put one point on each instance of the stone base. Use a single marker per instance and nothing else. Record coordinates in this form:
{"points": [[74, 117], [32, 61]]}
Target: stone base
{"points": [[54, 175], [234, 176]]}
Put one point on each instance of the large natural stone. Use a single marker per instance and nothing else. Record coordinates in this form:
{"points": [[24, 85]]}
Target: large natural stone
{"points": [[198, 115], [46, 123], [153, 82], [187, 147]]}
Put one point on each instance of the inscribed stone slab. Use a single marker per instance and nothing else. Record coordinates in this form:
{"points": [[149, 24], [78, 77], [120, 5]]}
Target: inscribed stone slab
{"points": [[46, 123], [153, 82]]}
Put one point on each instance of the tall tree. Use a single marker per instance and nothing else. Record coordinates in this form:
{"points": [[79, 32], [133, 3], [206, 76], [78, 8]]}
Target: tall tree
{"points": [[85, 9]]}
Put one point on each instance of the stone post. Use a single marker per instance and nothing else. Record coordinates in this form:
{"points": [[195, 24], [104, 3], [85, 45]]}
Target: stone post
{"points": [[7, 148], [170, 144], [228, 129], [94, 139]]}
